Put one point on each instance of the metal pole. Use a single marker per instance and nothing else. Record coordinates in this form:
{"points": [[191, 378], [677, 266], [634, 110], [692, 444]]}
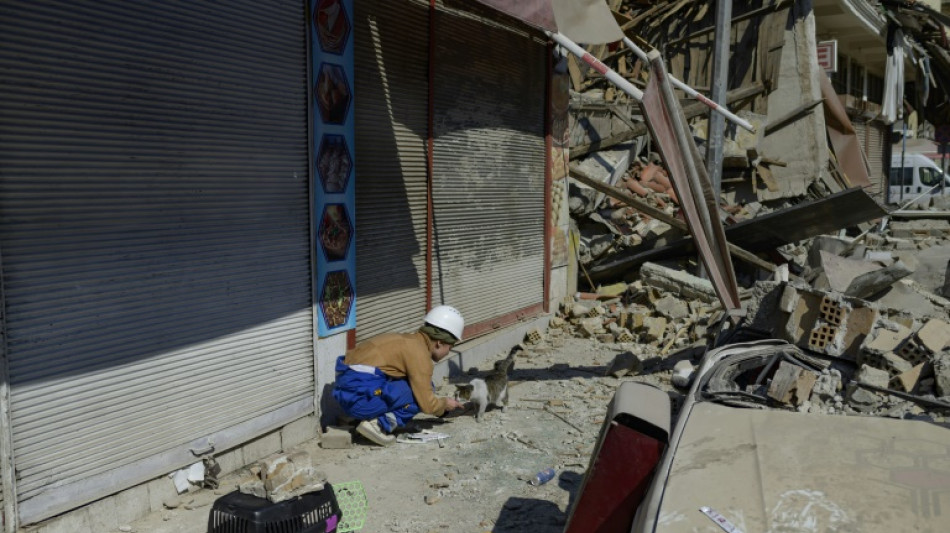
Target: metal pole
{"points": [[693, 93], [904, 151], [943, 168], [597, 65], [720, 69]]}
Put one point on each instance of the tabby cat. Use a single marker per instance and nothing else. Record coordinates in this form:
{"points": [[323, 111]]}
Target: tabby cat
{"points": [[493, 389]]}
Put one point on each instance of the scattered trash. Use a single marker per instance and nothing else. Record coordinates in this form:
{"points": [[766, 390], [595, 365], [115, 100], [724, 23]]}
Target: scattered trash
{"points": [[423, 437], [543, 477], [186, 476], [725, 524]]}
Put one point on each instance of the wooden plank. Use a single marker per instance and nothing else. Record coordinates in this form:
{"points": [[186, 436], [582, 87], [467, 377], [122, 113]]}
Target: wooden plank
{"points": [[577, 78], [692, 110], [661, 215]]}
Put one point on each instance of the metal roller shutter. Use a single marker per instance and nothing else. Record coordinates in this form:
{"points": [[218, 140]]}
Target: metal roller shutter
{"points": [[154, 199], [876, 135], [488, 164], [391, 205]]}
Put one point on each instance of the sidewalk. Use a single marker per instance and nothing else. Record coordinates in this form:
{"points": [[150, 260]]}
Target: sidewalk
{"points": [[478, 481]]}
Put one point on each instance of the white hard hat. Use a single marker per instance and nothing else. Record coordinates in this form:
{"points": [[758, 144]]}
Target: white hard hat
{"points": [[448, 318]]}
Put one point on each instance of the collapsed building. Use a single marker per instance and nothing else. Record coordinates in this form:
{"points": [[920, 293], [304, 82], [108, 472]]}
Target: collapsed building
{"points": [[825, 259], [818, 158]]}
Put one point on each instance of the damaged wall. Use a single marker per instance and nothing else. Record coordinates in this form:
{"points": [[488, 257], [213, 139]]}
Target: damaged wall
{"points": [[801, 143]]}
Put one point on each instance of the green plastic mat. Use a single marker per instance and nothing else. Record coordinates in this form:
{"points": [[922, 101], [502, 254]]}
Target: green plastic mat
{"points": [[351, 498]]}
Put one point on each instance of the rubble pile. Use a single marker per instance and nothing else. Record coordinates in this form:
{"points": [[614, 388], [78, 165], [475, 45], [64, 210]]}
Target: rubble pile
{"points": [[869, 358], [608, 226], [665, 310], [874, 330]]}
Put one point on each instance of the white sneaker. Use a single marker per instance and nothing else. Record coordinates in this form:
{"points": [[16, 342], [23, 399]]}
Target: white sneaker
{"points": [[371, 430]]}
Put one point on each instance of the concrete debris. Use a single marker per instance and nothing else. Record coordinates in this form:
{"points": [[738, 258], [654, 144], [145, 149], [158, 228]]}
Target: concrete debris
{"points": [[284, 476], [626, 363], [682, 373], [868, 307], [678, 283], [335, 438]]}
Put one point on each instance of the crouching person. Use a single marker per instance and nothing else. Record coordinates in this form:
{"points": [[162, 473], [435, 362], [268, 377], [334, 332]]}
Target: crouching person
{"points": [[387, 379]]}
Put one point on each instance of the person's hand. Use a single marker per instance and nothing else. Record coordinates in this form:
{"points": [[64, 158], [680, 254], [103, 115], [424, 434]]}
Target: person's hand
{"points": [[452, 404]]}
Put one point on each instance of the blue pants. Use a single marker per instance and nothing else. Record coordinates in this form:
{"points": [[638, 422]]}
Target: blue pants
{"points": [[365, 394]]}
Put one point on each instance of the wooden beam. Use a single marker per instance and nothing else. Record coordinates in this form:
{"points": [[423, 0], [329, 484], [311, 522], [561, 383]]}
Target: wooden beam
{"points": [[766, 10], [660, 215], [692, 110]]}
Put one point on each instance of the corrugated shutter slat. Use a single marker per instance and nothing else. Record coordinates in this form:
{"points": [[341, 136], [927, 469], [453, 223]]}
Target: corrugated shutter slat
{"points": [[154, 202], [489, 161], [391, 128]]}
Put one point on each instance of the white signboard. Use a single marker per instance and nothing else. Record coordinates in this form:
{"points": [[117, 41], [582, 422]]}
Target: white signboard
{"points": [[828, 56]]}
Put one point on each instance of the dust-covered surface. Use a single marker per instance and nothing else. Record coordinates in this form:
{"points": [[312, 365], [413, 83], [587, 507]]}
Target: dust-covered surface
{"points": [[479, 480]]}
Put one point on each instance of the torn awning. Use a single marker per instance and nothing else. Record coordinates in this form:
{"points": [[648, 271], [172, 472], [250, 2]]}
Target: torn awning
{"points": [[698, 200], [582, 21], [844, 139]]}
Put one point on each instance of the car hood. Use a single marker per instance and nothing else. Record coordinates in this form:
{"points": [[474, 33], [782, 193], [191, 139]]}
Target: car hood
{"points": [[781, 471]]}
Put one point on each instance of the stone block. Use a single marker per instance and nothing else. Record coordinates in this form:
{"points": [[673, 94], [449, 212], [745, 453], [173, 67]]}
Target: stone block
{"points": [[623, 335], [636, 321], [336, 438], [934, 335], [840, 271], [832, 311], [872, 376], [791, 384], [671, 307], [102, 514], [889, 361], [912, 352], [826, 244], [803, 319], [231, 460], [654, 327], [941, 368], [789, 299], [682, 373], [823, 338], [298, 432], [612, 291], [886, 340], [859, 325], [626, 363], [132, 504], [863, 400], [254, 488], [262, 447], [159, 491], [907, 381], [71, 522], [677, 282], [579, 311], [589, 330], [284, 476], [533, 336]]}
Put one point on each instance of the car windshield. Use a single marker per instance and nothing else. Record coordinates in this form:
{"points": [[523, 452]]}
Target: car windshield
{"points": [[930, 176]]}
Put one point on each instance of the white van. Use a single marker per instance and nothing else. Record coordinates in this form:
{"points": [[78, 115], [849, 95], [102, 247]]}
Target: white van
{"points": [[920, 180]]}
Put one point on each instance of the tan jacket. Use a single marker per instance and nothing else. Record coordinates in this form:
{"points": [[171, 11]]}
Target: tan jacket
{"points": [[402, 355]]}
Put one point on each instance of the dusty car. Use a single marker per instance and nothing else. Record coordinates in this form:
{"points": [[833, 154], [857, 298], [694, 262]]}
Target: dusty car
{"points": [[747, 456]]}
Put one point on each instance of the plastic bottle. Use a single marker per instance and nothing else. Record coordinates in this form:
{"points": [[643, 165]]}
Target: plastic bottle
{"points": [[543, 477]]}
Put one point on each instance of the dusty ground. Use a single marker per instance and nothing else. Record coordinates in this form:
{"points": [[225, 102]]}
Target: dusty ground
{"points": [[478, 481]]}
